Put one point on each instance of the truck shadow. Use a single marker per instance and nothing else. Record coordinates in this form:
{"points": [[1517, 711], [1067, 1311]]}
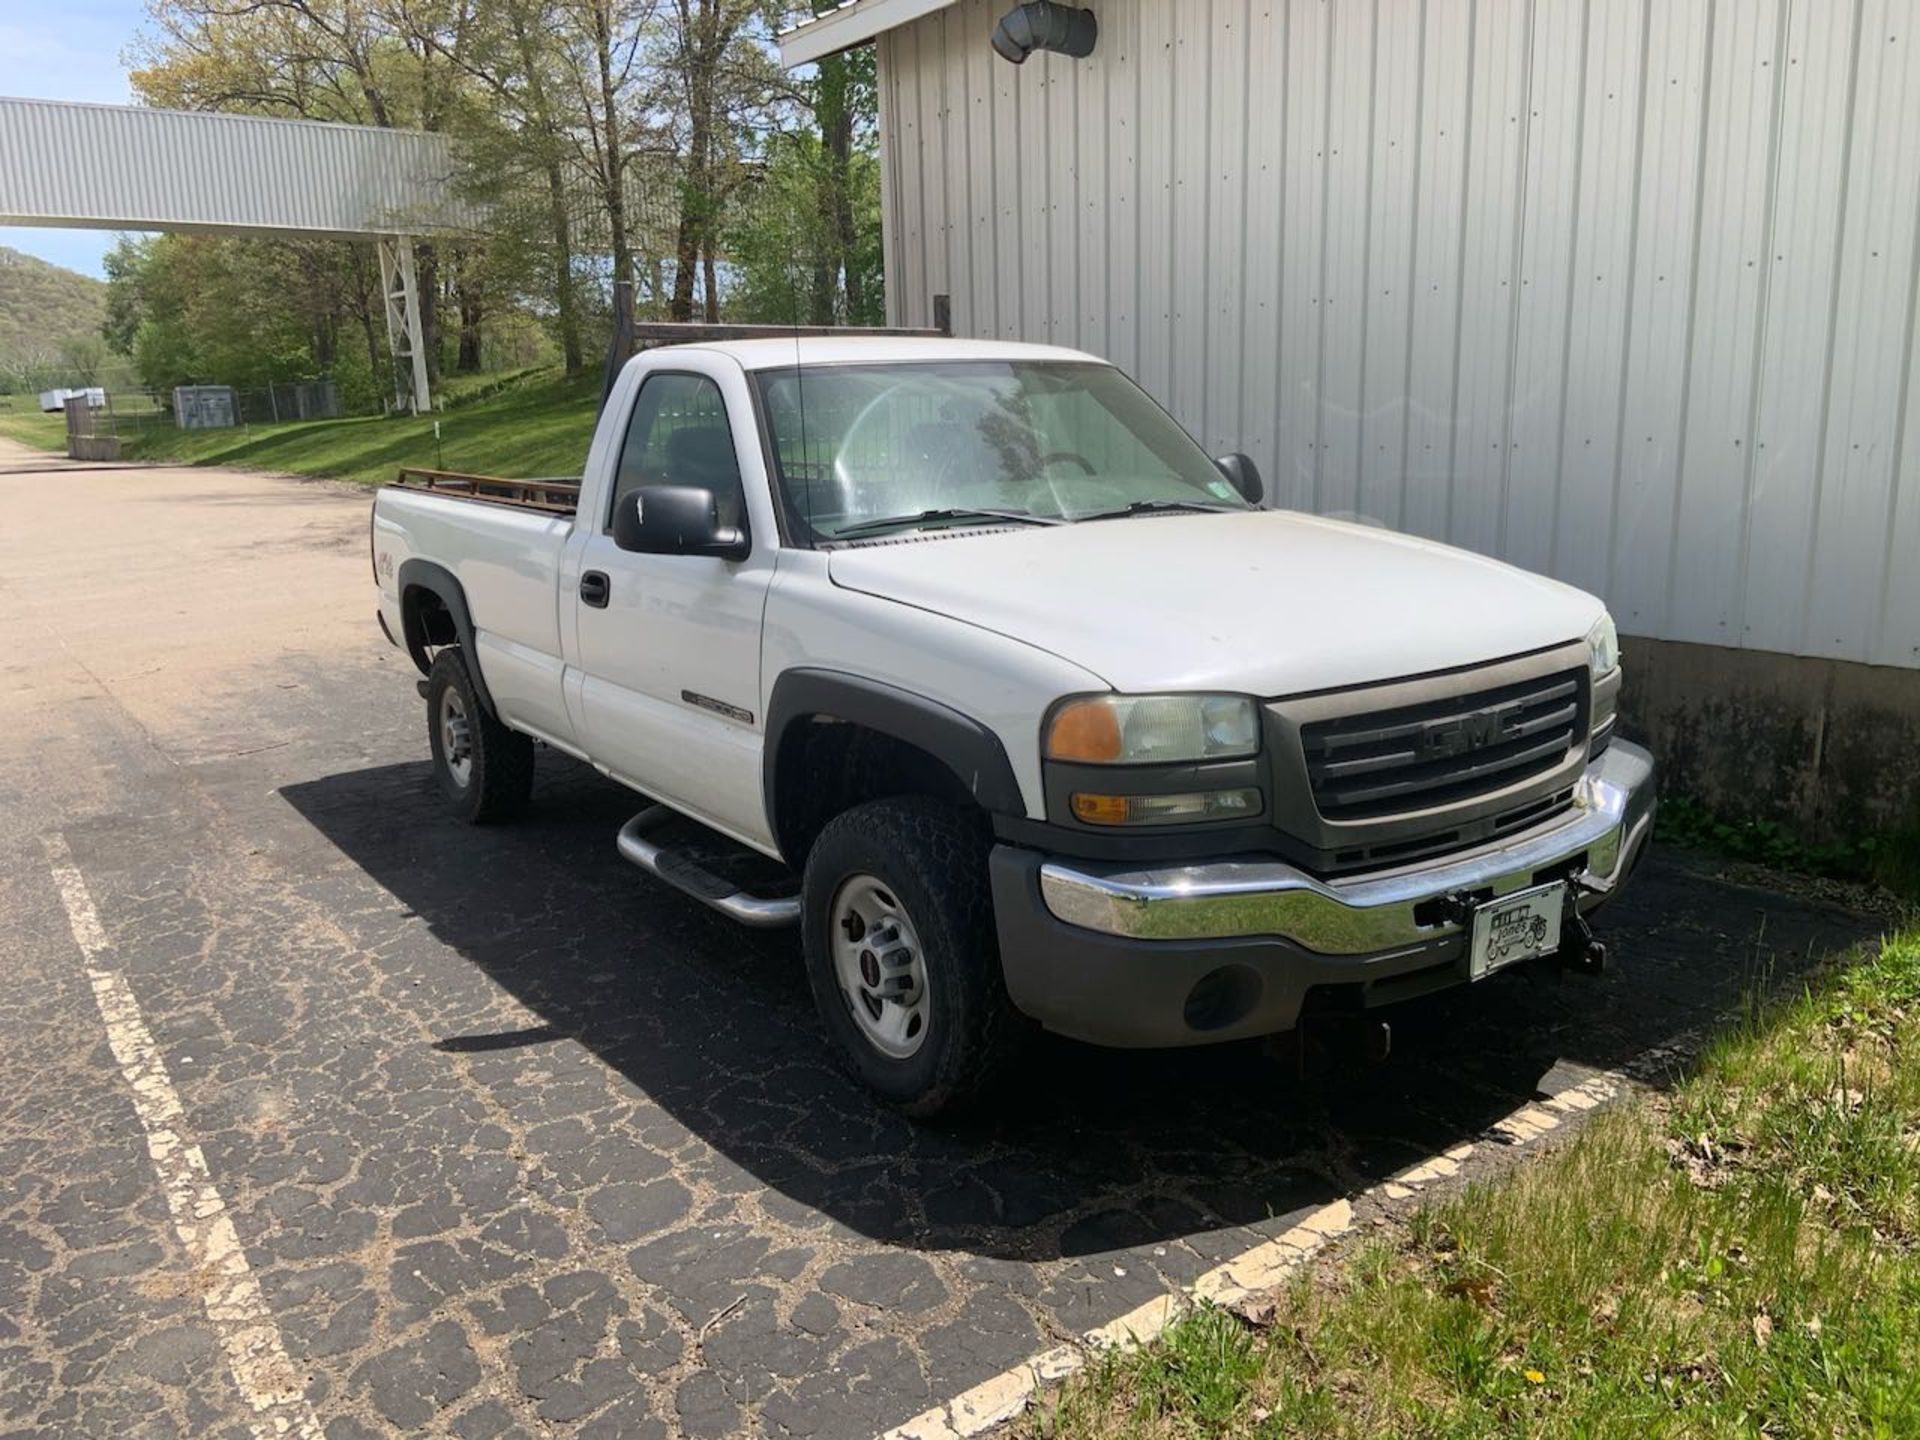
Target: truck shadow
{"points": [[1089, 1151]]}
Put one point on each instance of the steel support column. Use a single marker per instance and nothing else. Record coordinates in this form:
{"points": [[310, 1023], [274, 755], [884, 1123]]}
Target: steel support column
{"points": [[403, 323]]}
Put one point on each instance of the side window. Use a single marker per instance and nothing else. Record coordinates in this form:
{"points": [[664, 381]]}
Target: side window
{"points": [[678, 436]]}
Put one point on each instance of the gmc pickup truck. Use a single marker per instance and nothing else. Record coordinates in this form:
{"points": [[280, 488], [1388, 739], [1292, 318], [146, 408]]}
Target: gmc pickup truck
{"points": [[1024, 709]]}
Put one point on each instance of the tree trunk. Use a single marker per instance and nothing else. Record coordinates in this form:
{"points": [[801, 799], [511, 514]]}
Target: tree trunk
{"points": [[377, 363], [692, 229], [700, 27], [472, 311], [566, 306], [686, 254], [615, 160], [820, 300], [843, 223], [709, 282], [834, 112], [426, 279]]}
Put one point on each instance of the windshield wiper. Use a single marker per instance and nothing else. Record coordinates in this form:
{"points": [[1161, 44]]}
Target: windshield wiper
{"points": [[939, 517], [1159, 507]]}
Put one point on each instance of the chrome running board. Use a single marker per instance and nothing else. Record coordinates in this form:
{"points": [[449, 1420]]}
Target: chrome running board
{"points": [[690, 877]]}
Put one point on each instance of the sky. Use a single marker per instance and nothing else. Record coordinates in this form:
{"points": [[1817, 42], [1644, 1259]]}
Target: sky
{"points": [[66, 50]]}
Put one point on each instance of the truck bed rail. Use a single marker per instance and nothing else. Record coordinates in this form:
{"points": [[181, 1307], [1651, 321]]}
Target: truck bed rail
{"points": [[553, 497]]}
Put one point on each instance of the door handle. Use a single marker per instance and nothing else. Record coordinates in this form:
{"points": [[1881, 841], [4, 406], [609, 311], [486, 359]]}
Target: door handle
{"points": [[595, 589]]}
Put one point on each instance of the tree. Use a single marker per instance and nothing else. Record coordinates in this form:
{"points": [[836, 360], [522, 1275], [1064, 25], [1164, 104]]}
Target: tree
{"points": [[205, 309], [806, 235], [83, 357], [844, 104], [718, 85], [126, 299], [652, 140], [786, 246], [603, 73], [359, 61]]}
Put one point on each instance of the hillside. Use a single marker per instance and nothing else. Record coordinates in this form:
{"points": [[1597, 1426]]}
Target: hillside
{"points": [[42, 306]]}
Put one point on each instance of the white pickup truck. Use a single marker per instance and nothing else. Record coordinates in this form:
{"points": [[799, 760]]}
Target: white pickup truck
{"points": [[1029, 712]]}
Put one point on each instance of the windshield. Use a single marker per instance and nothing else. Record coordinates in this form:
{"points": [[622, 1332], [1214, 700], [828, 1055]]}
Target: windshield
{"points": [[866, 450]]}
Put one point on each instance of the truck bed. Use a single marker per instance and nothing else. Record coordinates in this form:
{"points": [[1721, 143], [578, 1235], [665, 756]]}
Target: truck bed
{"points": [[548, 496]]}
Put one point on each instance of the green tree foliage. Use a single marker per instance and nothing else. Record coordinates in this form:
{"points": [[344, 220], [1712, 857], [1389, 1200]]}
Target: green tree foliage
{"points": [[651, 140], [791, 260], [215, 310]]}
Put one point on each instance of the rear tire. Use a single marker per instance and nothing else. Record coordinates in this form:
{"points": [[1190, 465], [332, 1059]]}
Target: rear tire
{"points": [[902, 955], [484, 769]]}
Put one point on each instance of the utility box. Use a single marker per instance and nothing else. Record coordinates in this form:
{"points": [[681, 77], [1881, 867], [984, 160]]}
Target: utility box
{"points": [[205, 407]]}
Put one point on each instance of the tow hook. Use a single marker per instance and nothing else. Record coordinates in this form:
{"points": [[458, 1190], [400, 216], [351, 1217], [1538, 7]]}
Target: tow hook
{"points": [[1457, 907], [1579, 951]]}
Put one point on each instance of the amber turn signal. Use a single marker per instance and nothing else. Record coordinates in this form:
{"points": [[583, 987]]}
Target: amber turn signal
{"points": [[1183, 809], [1101, 809]]}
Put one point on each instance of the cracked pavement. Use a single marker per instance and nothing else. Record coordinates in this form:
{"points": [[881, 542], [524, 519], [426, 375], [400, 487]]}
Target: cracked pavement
{"points": [[519, 1142]]}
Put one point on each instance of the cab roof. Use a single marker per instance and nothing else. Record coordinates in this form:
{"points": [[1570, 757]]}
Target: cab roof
{"points": [[782, 353]]}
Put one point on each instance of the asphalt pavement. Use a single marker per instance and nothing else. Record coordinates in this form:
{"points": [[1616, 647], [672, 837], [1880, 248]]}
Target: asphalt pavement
{"points": [[515, 1141]]}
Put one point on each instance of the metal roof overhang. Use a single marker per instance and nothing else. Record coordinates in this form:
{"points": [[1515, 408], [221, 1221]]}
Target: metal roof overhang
{"points": [[131, 167], [853, 23]]}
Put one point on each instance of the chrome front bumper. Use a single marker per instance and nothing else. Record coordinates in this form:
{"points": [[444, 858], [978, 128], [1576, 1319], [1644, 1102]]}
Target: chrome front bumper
{"points": [[1611, 818]]}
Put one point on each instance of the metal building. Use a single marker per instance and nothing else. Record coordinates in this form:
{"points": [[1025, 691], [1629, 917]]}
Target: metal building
{"points": [[1620, 290], [129, 167]]}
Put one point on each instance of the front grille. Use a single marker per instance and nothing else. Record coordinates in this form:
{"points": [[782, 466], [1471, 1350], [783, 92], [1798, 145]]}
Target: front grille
{"points": [[1439, 842], [1442, 752]]}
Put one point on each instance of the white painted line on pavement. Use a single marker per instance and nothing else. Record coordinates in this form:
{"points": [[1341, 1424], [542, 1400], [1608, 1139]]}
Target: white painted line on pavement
{"points": [[1248, 1275], [256, 1354]]}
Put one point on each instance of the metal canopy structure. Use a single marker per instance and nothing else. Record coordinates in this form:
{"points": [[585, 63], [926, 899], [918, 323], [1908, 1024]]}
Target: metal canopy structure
{"points": [[853, 23], [127, 167]]}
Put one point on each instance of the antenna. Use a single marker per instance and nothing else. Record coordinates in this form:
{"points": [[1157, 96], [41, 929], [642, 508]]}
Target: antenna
{"points": [[800, 400]]}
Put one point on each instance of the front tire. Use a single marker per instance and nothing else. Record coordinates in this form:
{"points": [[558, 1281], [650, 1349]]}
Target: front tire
{"points": [[484, 769], [902, 955]]}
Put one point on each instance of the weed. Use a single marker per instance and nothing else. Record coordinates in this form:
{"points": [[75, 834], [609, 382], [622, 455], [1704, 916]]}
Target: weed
{"points": [[1889, 858]]}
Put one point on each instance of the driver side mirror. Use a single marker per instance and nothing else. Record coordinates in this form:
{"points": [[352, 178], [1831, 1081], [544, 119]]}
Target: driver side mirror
{"points": [[675, 520], [1243, 475]]}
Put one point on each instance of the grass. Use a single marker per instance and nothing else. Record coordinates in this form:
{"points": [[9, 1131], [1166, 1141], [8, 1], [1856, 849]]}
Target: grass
{"points": [[534, 424], [20, 419], [1740, 1257]]}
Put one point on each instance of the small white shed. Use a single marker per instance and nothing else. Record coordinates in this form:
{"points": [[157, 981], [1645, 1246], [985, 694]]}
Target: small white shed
{"points": [[53, 401]]}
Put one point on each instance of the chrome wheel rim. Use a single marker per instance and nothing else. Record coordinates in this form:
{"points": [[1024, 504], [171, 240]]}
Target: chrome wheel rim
{"points": [[456, 737], [880, 965]]}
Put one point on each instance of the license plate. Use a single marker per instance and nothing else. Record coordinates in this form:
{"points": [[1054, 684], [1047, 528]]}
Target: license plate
{"points": [[1516, 927]]}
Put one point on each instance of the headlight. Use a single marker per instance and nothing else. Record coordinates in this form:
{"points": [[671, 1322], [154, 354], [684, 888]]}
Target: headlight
{"points": [[1603, 647], [1153, 729]]}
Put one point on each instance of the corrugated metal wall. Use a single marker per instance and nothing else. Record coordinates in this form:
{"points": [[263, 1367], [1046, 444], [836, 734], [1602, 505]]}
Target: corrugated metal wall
{"points": [[1621, 290], [124, 166]]}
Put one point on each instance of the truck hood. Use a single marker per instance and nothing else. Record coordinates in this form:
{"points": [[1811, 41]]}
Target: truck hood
{"points": [[1270, 603]]}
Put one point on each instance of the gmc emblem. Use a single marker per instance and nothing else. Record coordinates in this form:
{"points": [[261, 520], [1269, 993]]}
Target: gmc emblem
{"points": [[1443, 739]]}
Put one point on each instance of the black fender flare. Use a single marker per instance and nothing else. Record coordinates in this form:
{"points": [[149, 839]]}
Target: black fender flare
{"points": [[966, 747], [437, 580]]}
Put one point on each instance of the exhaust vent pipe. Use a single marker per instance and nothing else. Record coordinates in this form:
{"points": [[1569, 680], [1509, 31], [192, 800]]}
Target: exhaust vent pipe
{"points": [[1044, 25]]}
